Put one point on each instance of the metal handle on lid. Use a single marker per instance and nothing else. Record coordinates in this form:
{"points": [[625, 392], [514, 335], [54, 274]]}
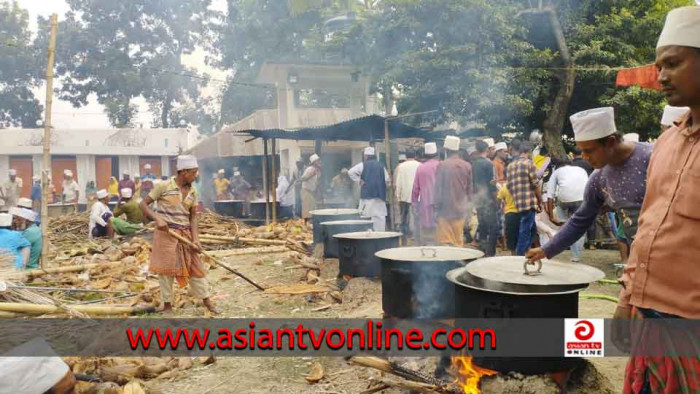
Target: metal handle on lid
{"points": [[422, 252], [532, 273]]}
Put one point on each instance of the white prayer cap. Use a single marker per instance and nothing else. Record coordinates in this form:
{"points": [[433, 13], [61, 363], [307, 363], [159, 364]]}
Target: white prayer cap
{"points": [[67, 172], [222, 171], [14, 211], [672, 114], [236, 173], [471, 149], [369, 151], [402, 157], [343, 170], [5, 220], [430, 148], [682, 28], [36, 178], [126, 172], [490, 142], [147, 166], [126, 192], [12, 172], [501, 146], [631, 137], [593, 124], [31, 374], [452, 143], [24, 213], [102, 193], [24, 202], [186, 162], [313, 158]]}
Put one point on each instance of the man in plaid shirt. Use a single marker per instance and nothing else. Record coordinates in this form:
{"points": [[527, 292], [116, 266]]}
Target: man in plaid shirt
{"points": [[523, 184]]}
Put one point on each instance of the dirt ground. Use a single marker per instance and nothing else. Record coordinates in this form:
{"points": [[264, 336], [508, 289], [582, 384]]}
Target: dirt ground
{"points": [[361, 299]]}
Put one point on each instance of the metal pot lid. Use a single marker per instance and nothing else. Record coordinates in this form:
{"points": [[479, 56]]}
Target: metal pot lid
{"points": [[339, 211], [368, 235], [429, 253], [345, 222], [511, 270], [460, 277]]}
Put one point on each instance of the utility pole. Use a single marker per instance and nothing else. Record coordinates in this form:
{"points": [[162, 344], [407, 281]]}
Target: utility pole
{"points": [[45, 189]]}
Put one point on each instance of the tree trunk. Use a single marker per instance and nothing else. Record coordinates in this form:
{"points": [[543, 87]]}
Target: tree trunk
{"points": [[165, 111], [554, 123]]}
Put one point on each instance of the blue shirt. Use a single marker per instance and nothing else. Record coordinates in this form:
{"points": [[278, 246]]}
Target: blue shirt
{"points": [[11, 242], [36, 192]]}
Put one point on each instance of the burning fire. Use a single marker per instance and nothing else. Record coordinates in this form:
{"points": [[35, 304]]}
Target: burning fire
{"points": [[468, 374]]}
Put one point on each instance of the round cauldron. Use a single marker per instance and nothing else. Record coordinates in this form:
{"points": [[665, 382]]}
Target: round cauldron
{"points": [[232, 208], [257, 209], [329, 229], [414, 283], [328, 215], [498, 288], [357, 251]]}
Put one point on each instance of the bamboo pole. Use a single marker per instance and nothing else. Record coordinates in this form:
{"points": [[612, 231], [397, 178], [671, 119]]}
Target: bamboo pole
{"points": [[246, 251], [87, 309], [47, 142], [266, 187], [69, 268], [274, 183], [251, 241], [387, 162]]}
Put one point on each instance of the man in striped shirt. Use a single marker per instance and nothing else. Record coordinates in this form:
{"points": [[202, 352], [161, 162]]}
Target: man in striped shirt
{"points": [[177, 212]]}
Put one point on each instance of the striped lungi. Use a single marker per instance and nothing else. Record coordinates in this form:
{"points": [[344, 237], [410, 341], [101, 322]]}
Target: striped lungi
{"points": [[170, 257]]}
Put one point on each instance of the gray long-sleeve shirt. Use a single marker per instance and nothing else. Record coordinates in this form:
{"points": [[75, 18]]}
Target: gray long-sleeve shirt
{"points": [[620, 188]]}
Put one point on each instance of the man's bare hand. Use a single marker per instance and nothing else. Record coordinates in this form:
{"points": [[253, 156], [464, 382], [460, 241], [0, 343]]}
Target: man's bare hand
{"points": [[534, 255], [161, 224], [620, 334]]}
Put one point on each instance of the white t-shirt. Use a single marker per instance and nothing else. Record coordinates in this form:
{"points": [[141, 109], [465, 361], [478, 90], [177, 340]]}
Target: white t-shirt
{"points": [[567, 183]]}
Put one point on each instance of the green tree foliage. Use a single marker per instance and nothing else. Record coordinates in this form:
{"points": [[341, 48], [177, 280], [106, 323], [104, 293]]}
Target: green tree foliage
{"points": [[120, 50], [19, 69]]}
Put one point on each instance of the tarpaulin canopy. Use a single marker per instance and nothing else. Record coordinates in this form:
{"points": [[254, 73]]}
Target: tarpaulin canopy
{"points": [[368, 128]]}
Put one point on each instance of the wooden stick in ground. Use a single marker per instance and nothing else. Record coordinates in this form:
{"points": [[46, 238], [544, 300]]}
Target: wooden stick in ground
{"points": [[214, 259], [87, 309], [70, 268]]}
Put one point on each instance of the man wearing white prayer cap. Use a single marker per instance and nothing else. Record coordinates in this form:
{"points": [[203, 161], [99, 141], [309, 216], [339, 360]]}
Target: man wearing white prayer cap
{"points": [[404, 178], [618, 185], [10, 190], [126, 183], [222, 185], [128, 206], [423, 195], [12, 242], [33, 367], [671, 115], [661, 276], [373, 179], [71, 190], [177, 201], [100, 224], [25, 220], [499, 162], [491, 143], [310, 186], [454, 181]]}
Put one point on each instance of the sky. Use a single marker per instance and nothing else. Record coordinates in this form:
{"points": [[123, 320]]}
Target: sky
{"points": [[64, 115]]}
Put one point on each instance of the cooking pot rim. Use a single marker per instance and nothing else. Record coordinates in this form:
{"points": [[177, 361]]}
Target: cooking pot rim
{"points": [[358, 235], [454, 274], [348, 221], [334, 211], [429, 254], [228, 201]]}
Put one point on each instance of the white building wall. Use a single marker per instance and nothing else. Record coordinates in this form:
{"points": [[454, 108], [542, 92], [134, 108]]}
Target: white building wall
{"points": [[85, 165], [4, 167], [165, 166]]}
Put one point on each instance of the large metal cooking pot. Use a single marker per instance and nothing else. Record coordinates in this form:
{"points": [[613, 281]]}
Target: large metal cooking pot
{"points": [[356, 252], [414, 284], [329, 229], [505, 287], [327, 215], [257, 209], [232, 208]]}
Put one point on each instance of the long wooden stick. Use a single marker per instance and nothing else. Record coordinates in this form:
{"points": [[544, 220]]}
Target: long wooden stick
{"points": [[88, 309], [213, 259], [246, 251], [252, 241], [69, 268]]}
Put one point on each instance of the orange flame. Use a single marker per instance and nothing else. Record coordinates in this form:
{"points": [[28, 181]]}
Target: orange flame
{"points": [[468, 374]]}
